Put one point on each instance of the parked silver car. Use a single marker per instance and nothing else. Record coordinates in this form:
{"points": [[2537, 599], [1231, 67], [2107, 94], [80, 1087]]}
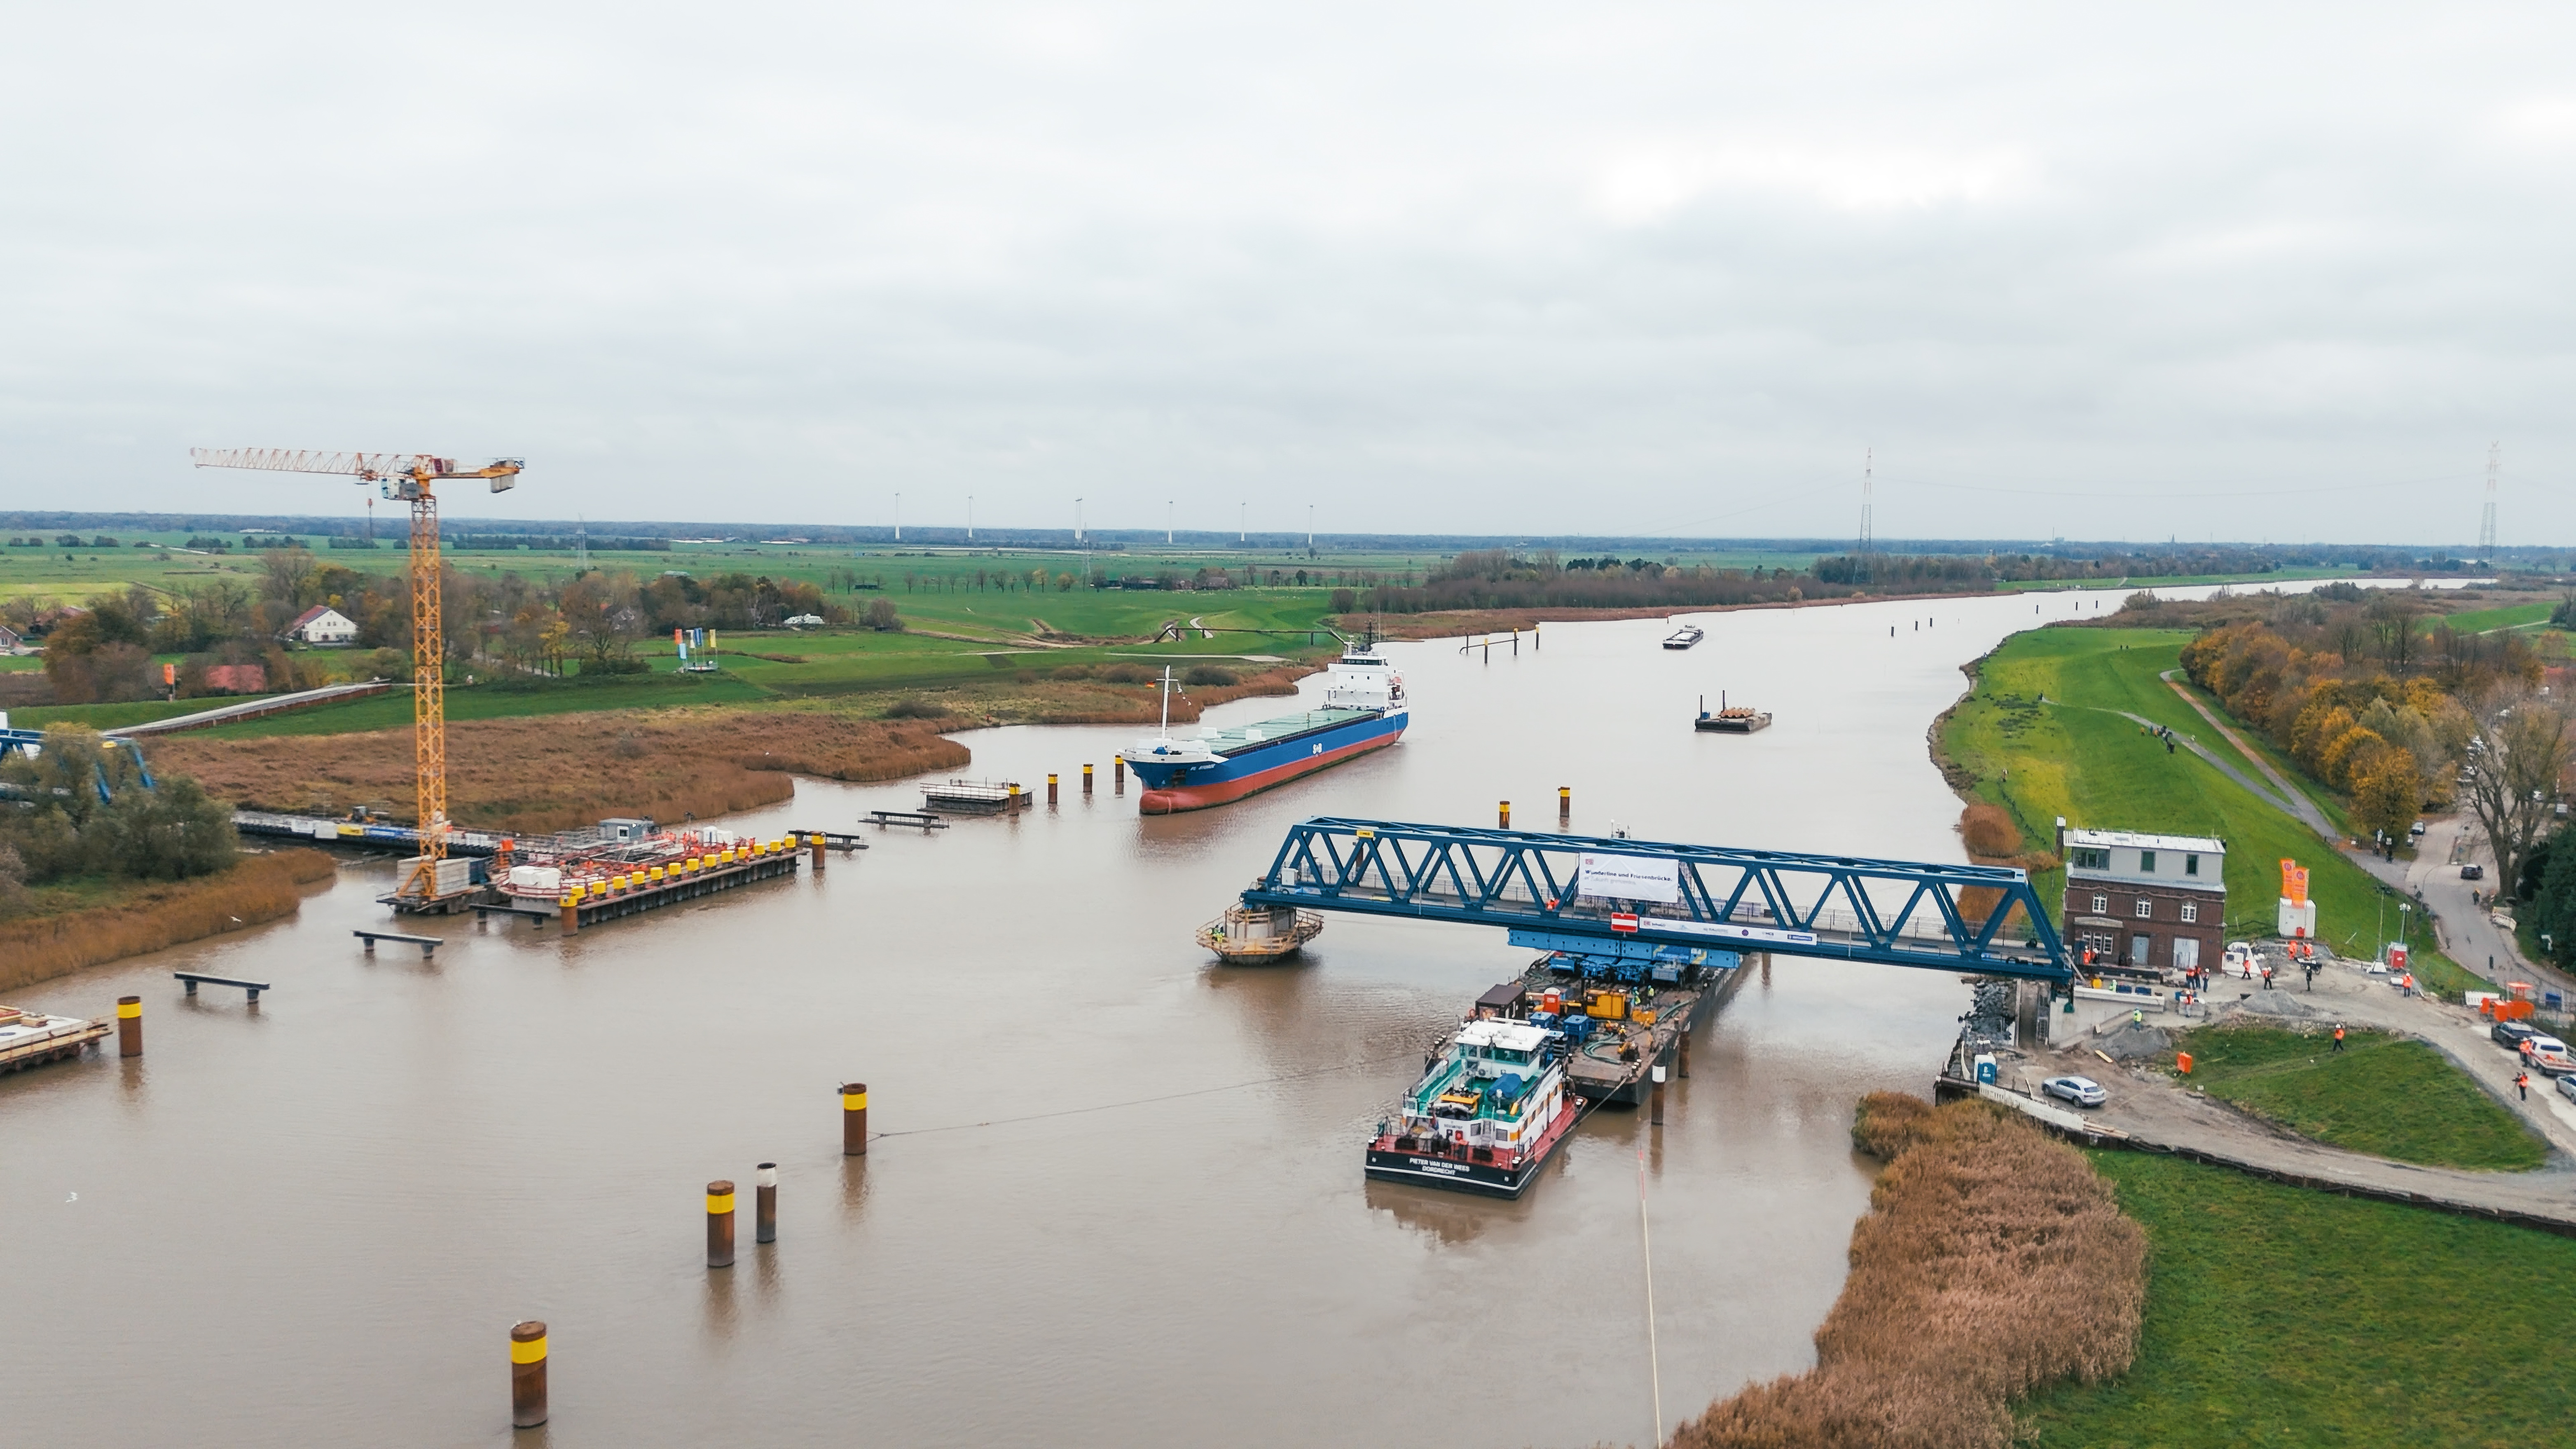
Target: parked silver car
{"points": [[2082, 1091]]}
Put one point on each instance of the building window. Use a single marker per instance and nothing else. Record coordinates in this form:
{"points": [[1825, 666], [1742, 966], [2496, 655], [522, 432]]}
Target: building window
{"points": [[2146, 862], [2101, 905], [2146, 908], [2190, 912], [2092, 860], [2191, 865]]}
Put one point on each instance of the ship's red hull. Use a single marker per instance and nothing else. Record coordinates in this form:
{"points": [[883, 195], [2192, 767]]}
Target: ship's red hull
{"points": [[1223, 792]]}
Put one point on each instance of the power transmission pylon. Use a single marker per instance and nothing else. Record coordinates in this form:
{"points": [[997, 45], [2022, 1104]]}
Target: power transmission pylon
{"points": [[1868, 460], [2486, 521], [405, 476]]}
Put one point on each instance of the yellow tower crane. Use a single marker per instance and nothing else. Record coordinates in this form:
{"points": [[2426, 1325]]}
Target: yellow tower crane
{"points": [[408, 477]]}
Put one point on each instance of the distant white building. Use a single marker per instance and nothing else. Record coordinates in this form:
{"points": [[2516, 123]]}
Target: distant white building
{"points": [[323, 625], [805, 621]]}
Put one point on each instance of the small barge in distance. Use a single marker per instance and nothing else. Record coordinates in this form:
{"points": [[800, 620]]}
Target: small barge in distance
{"points": [[1738, 720], [1684, 637]]}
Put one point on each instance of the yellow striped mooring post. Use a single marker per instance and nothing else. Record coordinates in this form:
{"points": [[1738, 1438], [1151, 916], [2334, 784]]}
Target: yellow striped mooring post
{"points": [[720, 1225], [854, 1119], [1119, 780], [1050, 789], [527, 1374], [1086, 779], [129, 1026], [1564, 803], [1505, 814], [764, 1205]]}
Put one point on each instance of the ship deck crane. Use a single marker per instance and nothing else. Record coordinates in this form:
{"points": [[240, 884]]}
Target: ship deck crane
{"points": [[410, 478]]}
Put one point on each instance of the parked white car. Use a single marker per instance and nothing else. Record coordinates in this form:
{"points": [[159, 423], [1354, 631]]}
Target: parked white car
{"points": [[2082, 1091]]}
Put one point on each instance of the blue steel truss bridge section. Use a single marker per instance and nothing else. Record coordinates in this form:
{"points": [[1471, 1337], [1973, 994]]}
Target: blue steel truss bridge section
{"points": [[1628, 898]]}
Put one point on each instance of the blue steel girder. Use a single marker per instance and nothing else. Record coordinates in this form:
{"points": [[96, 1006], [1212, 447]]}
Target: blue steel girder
{"points": [[1786, 902]]}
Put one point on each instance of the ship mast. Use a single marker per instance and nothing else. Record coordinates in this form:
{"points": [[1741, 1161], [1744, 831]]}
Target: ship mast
{"points": [[1167, 703]]}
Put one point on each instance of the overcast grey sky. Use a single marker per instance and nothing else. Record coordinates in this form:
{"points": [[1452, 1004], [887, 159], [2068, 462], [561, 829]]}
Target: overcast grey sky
{"points": [[2251, 272]]}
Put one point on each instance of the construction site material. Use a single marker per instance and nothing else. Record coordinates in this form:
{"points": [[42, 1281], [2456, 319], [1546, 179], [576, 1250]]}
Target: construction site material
{"points": [[32, 1038], [195, 979], [1257, 935], [599, 890], [1729, 719]]}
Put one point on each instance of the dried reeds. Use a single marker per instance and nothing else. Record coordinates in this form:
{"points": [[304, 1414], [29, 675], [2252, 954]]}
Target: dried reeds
{"points": [[151, 915], [560, 771], [1993, 1261]]}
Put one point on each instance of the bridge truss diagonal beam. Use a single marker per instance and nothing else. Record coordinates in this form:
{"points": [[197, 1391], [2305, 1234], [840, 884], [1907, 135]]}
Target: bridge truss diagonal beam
{"points": [[1971, 918]]}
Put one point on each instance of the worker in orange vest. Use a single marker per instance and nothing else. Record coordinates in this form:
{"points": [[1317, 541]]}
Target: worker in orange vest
{"points": [[2522, 1084], [2338, 1046]]}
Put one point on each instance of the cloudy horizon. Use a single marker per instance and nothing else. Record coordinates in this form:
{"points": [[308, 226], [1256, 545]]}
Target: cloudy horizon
{"points": [[1637, 270]]}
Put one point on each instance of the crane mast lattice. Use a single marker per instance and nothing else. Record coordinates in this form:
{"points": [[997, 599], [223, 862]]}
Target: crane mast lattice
{"points": [[410, 478]]}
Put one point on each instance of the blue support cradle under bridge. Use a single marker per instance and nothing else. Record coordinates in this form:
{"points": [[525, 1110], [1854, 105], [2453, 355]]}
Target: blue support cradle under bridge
{"points": [[1557, 891]]}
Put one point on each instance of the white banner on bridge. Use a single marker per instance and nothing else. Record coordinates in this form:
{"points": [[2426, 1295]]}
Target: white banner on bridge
{"points": [[1629, 877], [1763, 934]]}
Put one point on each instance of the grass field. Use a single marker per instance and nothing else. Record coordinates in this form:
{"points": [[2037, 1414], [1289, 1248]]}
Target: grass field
{"points": [[2390, 1096], [2279, 1317], [2514, 616], [2077, 757]]}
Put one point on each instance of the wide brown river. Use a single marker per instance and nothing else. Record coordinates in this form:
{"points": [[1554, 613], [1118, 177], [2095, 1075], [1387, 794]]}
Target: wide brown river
{"points": [[1120, 1199]]}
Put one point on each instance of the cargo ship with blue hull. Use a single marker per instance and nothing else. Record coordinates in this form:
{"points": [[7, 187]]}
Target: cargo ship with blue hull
{"points": [[1363, 709]]}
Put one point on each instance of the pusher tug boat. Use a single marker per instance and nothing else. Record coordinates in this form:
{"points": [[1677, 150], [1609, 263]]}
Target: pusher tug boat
{"points": [[1364, 710], [1484, 1118]]}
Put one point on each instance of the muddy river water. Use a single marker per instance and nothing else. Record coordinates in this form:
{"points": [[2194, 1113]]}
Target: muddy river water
{"points": [[1120, 1199]]}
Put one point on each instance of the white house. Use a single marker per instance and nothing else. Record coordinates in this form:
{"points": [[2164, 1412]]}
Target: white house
{"points": [[323, 625]]}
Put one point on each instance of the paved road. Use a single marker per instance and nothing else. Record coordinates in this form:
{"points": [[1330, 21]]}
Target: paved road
{"points": [[2284, 796], [2154, 1107]]}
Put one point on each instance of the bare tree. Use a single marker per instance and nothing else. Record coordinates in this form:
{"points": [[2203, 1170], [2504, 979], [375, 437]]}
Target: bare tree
{"points": [[2517, 759]]}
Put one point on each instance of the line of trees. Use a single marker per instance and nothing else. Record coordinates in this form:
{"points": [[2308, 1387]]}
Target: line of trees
{"points": [[76, 808], [2370, 697], [104, 651]]}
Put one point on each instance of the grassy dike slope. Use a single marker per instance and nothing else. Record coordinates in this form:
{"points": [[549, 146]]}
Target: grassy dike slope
{"points": [[2277, 1316], [2076, 756]]}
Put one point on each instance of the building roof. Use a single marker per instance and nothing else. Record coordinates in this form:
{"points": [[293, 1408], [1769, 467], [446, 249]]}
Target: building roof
{"points": [[316, 612], [2204, 845]]}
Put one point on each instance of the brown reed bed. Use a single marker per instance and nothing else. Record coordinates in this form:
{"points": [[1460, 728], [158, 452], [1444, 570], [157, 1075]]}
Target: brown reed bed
{"points": [[559, 771], [1993, 1261], [149, 915]]}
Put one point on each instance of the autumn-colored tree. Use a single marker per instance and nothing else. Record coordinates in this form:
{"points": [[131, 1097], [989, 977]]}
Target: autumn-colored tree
{"points": [[2386, 790]]}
